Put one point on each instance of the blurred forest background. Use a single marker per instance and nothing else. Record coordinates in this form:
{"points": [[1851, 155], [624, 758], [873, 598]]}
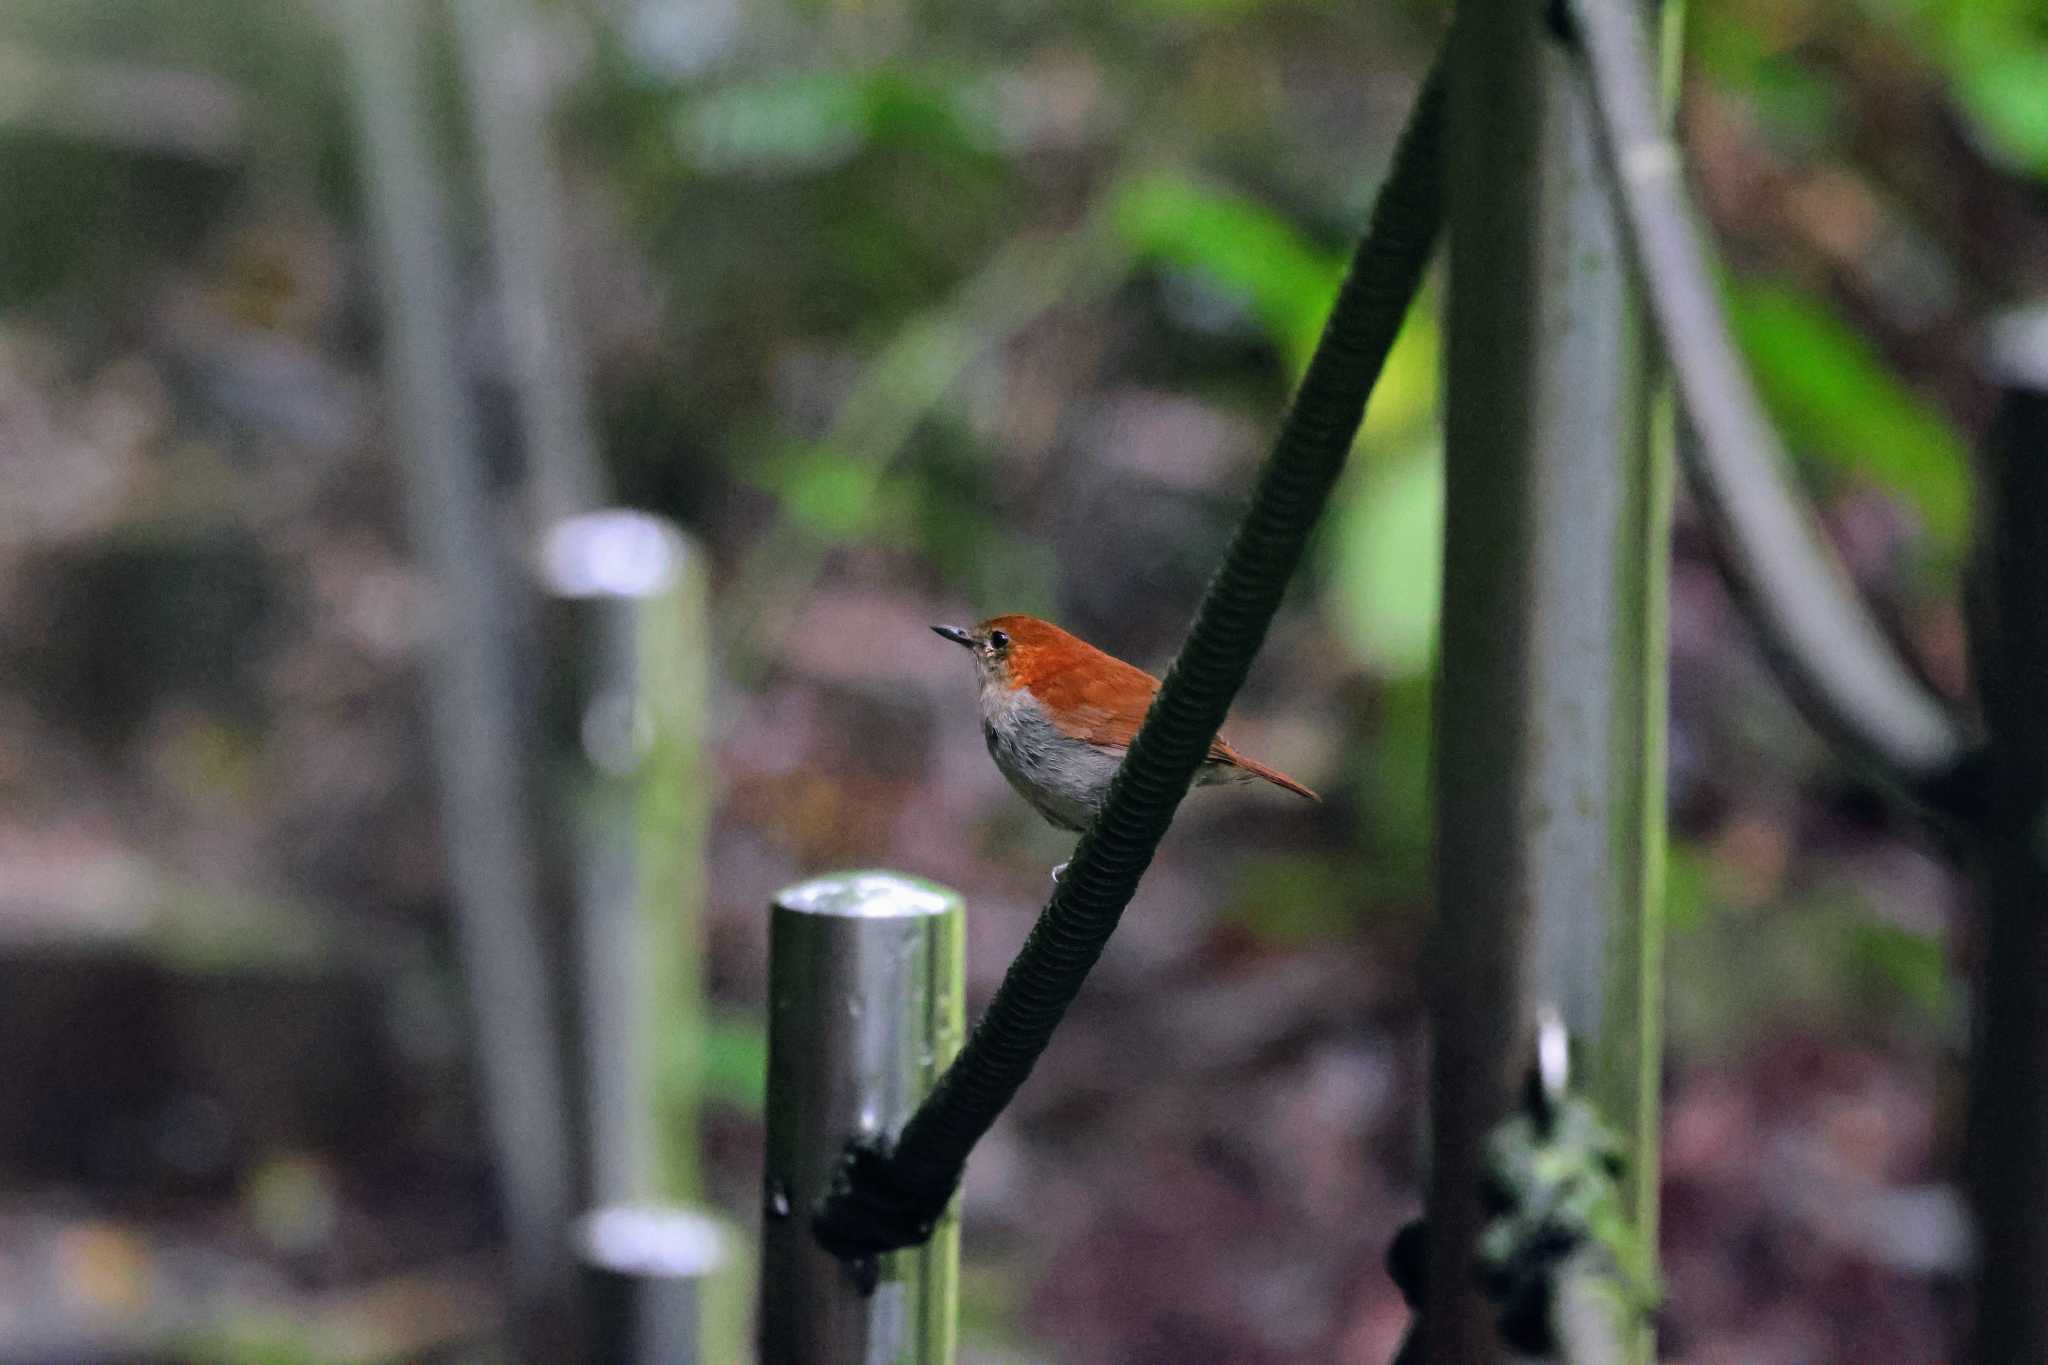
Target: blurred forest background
{"points": [[914, 312]]}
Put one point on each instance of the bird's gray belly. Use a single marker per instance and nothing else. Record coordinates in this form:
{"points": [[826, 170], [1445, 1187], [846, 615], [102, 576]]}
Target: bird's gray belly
{"points": [[1064, 779]]}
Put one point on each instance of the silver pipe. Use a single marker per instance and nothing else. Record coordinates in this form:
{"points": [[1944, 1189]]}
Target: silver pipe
{"points": [[623, 707], [649, 1292], [866, 985], [507, 57], [475, 717]]}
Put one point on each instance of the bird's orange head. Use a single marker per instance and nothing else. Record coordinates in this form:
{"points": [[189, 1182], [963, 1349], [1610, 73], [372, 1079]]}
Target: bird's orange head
{"points": [[1023, 651], [1089, 695]]}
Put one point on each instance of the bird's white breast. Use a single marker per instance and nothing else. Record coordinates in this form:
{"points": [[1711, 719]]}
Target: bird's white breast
{"points": [[1063, 777]]}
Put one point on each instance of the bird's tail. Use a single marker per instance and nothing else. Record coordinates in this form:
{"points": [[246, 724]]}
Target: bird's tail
{"points": [[1273, 775]]}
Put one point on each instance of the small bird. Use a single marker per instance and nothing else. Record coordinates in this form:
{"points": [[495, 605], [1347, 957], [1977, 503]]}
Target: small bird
{"points": [[1059, 714]]}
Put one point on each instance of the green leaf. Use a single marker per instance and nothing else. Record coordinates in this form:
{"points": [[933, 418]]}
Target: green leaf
{"points": [[1406, 395], [810, 121], [1237, 244], [1993, 55], [792, 124], [1294, 899], [1235, 9], [1914, 965], [1686, 887], [2005, 93], [832, 498], [736, 1062], [1841, 405], [1396, 816], [1387, 587]]}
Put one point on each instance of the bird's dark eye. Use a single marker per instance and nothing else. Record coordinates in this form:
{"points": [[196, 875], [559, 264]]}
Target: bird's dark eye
{"points": [[998, 640]]}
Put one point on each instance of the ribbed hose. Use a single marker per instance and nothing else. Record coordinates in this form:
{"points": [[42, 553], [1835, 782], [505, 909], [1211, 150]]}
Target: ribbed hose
{"points": [[890, 1197]]}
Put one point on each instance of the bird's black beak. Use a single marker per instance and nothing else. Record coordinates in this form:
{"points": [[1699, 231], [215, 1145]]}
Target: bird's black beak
{"points": [[955, 634]]}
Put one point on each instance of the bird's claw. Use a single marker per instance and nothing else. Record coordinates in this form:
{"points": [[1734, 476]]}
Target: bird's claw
{"points": [[1058, 872]]}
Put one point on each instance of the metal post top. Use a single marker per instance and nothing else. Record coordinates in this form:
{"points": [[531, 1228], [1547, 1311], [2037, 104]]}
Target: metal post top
{"points": [[2016, 347], [652, 1241], [613, 552], [873, 893]]}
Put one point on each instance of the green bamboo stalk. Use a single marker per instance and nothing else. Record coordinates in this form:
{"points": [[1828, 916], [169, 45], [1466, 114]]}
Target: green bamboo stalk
{"points": [[671, 835], [624, 724]]}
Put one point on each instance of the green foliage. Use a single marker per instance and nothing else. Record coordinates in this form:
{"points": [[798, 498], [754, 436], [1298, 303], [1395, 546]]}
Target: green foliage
{"points": [[1387, 574], [1798, 104], [804, 122], [1991, 57], [785, 126], [822, 202], [1395, 815], [1687, 886], [830, 497], [736, 1061], [956, 519], [1994, 56], [1913, 966], [89, 199], [1820, 957], [1383, 553], [2005, 91], [1801, 106], [1240, 247], [1554, 1195], [258, 1339], [1405, 400], [1290, 900], [730, 1070], [1233, 8], [992, 1300], [57, 194]]}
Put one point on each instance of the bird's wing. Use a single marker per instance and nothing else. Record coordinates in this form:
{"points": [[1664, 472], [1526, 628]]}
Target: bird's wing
{"points": [[1103, 700], [1097, 697]]}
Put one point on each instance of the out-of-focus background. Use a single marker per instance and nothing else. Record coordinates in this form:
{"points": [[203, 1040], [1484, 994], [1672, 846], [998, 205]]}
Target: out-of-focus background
{"points": [[915, 313]]}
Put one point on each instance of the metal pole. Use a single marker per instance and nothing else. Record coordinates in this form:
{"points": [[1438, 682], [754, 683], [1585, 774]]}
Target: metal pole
{"points": [[647, 1275], [476, 721], [1597, 581], [1590, 571], [2008, 1108], [623, 702], [507, 68], [865, 982], [1487, 762]]}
